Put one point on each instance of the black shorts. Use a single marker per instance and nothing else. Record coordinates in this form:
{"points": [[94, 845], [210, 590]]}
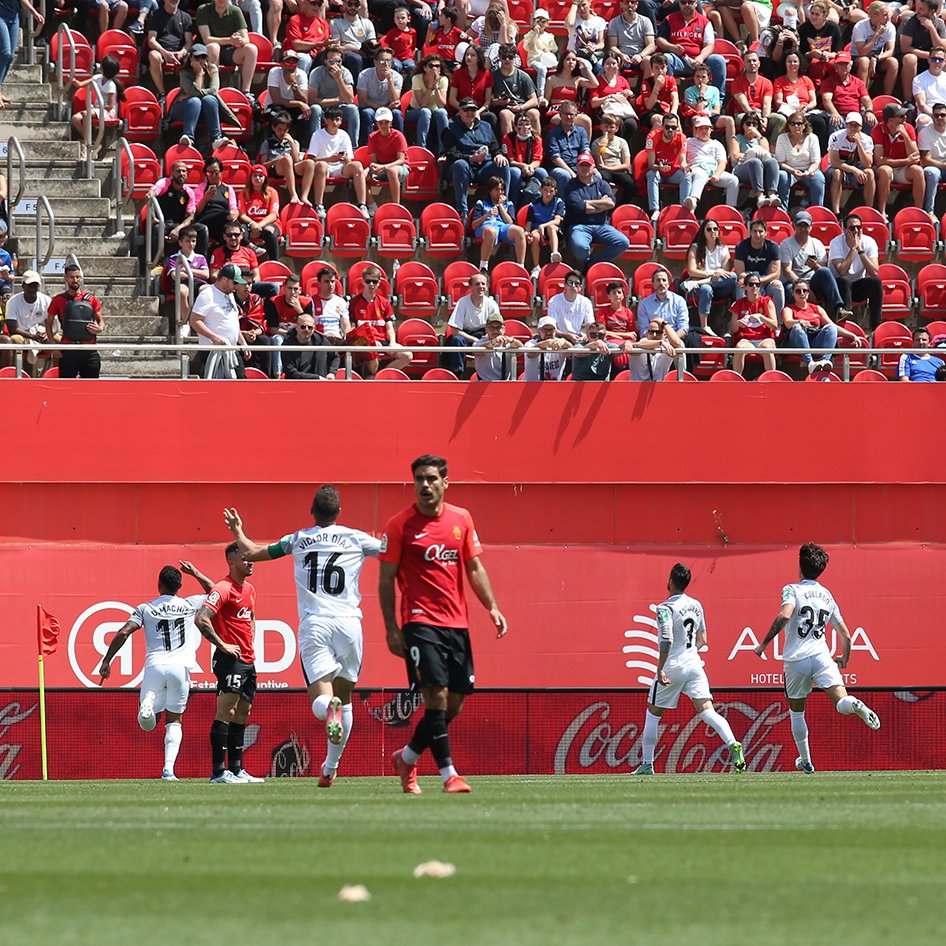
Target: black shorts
{"points": [[226, 55], [235, 676], [439, 657]]}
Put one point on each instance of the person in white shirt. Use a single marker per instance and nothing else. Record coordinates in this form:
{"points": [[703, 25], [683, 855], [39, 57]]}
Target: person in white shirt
{"points": [[331, 310], [288, 87], [495, 363], [930, 87], [26, 316], [872, 45], [654, 353], [545, 353], [681, 635], [572, 311], [331, 149], [851, 156], [467, 322], [808, 609], [853, 257], [932, 141], [706, 159], [328, 559], [215, 319], [586, 31]]}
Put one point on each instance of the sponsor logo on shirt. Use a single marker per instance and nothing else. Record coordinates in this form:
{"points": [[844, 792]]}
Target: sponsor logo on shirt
{"points": [[245, 614], [440, 553]]}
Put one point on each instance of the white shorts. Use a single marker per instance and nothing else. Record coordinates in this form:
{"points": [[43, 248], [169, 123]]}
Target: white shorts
{"points": [[330, 647], [171, 685], [763, 14], [801, 676], [683, 679]]}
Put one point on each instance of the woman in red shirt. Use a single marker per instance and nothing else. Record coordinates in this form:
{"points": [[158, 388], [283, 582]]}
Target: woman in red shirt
{"points": [[613, 96], [753, 324], [795, 92], [259, 211], [565, 85], [809, 326], [474, 80]]}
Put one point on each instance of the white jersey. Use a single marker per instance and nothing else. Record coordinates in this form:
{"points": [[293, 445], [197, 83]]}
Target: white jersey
{"points": [[815, 609], [328, 562], [170, 632], [679, 620]]}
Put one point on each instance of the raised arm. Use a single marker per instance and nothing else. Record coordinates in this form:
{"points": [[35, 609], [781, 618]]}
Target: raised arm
{"points": [[783, 617], [251, 551], [118, 641], [189, 568]]}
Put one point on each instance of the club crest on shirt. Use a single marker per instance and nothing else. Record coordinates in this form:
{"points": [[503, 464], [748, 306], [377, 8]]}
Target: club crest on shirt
{"points": [[384, 541], [457, 533]]}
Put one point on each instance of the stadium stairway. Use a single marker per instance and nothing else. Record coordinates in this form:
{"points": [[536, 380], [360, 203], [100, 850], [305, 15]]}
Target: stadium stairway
{"points": [[84, 225]]}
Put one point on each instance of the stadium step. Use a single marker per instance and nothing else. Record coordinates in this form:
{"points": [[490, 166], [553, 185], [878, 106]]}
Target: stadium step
{"points": [[20, 72], [35, 130], [61, 187], [20, 91], [40, 149]]}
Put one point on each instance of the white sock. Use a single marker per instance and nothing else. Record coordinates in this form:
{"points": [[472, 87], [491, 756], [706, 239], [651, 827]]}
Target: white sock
{"points": [[409, 755], [173, 733], [320, 706], [712, 718], [334, 753], [447, 772], [846, 705], [800, 734], [649, 740]]}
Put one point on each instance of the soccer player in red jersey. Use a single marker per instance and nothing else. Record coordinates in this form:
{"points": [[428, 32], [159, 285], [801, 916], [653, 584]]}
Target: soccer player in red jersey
{"points": [[427, 549], [230, 611]]}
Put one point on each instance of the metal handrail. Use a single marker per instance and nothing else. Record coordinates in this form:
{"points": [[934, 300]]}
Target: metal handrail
{"points": [[34, 31], [154, 216], [122, 199], [94, 100], [13, 143], [43, 207], [64, 36]]}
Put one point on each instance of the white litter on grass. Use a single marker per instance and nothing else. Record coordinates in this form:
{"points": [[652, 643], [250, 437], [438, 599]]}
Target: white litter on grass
{"points": [[434, 869], [354, 893]]}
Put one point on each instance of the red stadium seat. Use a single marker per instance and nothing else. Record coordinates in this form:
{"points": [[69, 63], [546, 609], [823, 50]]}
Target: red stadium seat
{"points": [[857, 358], [309, 277], [242, 110], [511, 286], [355, 280], [898, 299], [521, 13], [417, 289], [622, 376], [141, 113], [824, 224], [936, 328], [634, 223], [254, 374], [456, 279], [302, 230], [442, 231], [868, 375], [438, 374], [712, 362], [875, 226], [879, 101], [395, 231], [51, 372], [147, 169], [643, 284], [190, 156], [341, 376], [671, 375], [931, 291], [552, 280], [264, 53], [732, 227], [85, 57], [773, 376], [423, 181], [415, 332], [778, 221], [915, 236], [726, 374], [597, 279], [516, 329], [676, 229], [347, 230], [272, 270], [730, 52], [10, 372], [895, 336], [119, 44], [391, 374], [236, 166]]}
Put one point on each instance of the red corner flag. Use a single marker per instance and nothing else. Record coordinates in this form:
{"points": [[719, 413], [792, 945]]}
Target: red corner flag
{"points": [[47, 631]]}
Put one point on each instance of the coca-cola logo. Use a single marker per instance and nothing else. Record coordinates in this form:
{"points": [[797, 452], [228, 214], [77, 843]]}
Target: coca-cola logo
{"points": [[440, 553], [291, 759], [399, 710], [684, 744], [10, 715]]}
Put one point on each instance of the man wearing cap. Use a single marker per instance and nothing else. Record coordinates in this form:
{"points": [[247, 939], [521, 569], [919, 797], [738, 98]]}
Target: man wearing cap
{"points": [[26, 317], [851, 160], [589, 201], [919, 35], [80, 318], [545, 352], [288, 87], [223, 30], [930, 87], [473, 154], [170, 32], [897, 160], [496, 364], [805, 257], [215, 319], [387, 148], [843, 93], [706, 159], [854, 261], [380, 87]]}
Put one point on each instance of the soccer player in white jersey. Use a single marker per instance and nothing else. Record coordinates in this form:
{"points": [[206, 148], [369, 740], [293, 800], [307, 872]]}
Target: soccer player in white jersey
{"points": [[681, 632], [170, 635], [808, 608], [328, 560]]}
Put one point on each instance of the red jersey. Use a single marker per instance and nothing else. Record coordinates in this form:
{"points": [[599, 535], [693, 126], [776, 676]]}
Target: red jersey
{"points": [[754, 92], [620, 320], [688, 35], [375, 315], [845, 96], [307, 30], [256, 206], [664, 150], [664, 98], [445, 44], [807, 313], [894, 146], [469, 87], [385, 149], [430, 553], [402, 43], [756, 329], [234, 607], [244, 257], [57, 307], [523, 150]]}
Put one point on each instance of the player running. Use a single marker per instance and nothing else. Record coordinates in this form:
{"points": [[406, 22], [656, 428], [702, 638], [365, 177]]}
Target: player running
{"points": [[229, 614], [168, 622], [807, 610], [328, 559], [428, 547], [681, 632]]}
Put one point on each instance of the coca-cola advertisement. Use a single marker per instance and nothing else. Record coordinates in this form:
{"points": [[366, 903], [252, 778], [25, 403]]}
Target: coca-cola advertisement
{"points": [[502, 733]]}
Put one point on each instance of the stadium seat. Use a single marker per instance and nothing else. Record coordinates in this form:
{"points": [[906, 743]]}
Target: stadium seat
{"points": [[511, 286], [557, 10], [730, 52], [552, 281], [857, 357], [52, 372], [242, 109], [439, 374], [264, 53], [597, 279], [354, 281], [302, 230], [423, 181], [442, 231], [914, 236], [622, 376], [868, 375], [879, 101], [643, 277], [606, 9], [823, 376], [671, 375], [875, 226], [395, 232], [634, 223], [310, 279], [147, 169], [732, 226], [778, 222], [895, 336], [521, 13], [254, 374], [236, 166], [272, 270], [190, 156], [415, 332], [726, 374], [391, 374], [514, 328], [676, 229], [79, 105], [10, 372], [119, 44], [824, 224], [931, 291], [417, 290], [85, 56], [341, 376], [712, 362], [935, 328], [898, 298], [456, 279], [774, 376], [141, 113]]}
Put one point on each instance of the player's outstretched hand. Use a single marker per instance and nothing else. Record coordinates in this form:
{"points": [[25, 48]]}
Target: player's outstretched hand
{"points": [[231, 650], [189, 568], [759, 650], [663, 678], [232, 518], [841, 661], [396, 642], [105, 671], [500, 621]]}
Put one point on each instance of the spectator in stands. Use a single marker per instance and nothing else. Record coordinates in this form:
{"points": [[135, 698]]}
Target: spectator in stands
{"points": [[659, 95], [259, 351], [281, 313], [9, 33], [757, 255], [473, 154], [259, 211], [223, 30], [853, 257], [496, 364], [804, 257], [523, 149], [654, 354], [543, 223], [200, 270], [919, 367], [809, 326], [8, 260], [383, 11], [541, 49], [80, 321], [169, 34], [331, 309], [216, 201], [873, 43], [474, 81], [373, 324], [565, 86], [753, 324], [332, 152], [586, 31], [703, 98], [843, 93], [933, 142], [753, 163], [798, 153], [572, 310], [25, 320], [288, 88], [794, 92], [379, 87], [513, 93], [709, 274], [401, 39], [755, 16], [493, 221], [919, 34], [331, 84], [112, 94], [589, 201], [819, 42], [666, 163], [593, 358], [493, 29], [897, 160], [319, 364], [233, 251], [930, 87], [687, 39], [114, 10], [197, 100], [563, 144], [752, 92], [706, 161], [619, 321], [545, 359], [631, 35], [664, 306], [282, 158], [613, 159], [613, 96], [467, 322], [353, 34], [428, 105], [444, 38], [308, 32], [387, 149], [179, 205], [851, 155]]}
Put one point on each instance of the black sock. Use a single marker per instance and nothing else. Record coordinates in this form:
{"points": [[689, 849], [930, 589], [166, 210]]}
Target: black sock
{"points": [[235, 746], [218, 745], [421, 738], [439, 739]]}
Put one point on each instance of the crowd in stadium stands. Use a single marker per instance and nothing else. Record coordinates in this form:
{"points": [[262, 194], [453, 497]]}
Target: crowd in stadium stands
{"points": [[730, 132]]}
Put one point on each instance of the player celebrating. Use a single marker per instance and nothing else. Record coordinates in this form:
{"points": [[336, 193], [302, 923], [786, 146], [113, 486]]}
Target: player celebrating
{"points": [[807, 610], [681, 630], [168, 621], [328, 560], [424, 547], [229, 612]]}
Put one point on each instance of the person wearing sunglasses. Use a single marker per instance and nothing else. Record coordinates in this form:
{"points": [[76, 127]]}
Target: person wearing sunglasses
{"points": [[593, 358], [930, 87], [753, 162], [919, 34], [753, 324], [428, 105], [666, 163], [798, 152], [853, 257], [373, 323], [514, 94], [652, 355], [897, 160], [809, 326], [932, 141], [572, 311], [709, 274], [752, 93], [493, 361]]}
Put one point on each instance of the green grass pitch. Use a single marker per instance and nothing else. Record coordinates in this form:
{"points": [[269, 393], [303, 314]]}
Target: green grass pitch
{"points": [[834, 858]]}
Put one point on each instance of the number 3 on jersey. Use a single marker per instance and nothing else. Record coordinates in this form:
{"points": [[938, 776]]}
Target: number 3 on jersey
{"points": [[331, 579], [810, 623]]}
